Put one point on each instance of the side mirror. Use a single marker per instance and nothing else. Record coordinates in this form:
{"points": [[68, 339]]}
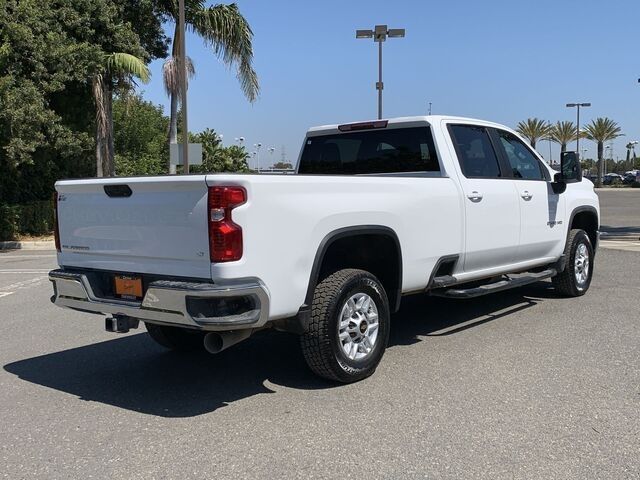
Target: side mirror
{"points": [[570, 167], [570, 172]]}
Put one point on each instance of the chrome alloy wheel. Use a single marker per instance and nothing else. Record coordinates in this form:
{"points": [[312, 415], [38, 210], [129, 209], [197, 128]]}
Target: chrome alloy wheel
{"points": [[358, 329], [581, 265]]}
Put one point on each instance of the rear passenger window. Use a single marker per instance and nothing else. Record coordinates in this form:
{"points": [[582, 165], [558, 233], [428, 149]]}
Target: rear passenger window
{"points": [[523, 163], [475, 151]]}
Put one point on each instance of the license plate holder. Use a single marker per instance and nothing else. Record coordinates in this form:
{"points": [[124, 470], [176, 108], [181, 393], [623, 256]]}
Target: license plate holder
{"points": [[128, 287]]}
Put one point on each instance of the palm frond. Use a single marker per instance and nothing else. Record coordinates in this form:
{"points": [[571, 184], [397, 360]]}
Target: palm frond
{"points": [[602, 130], [228, 33], [562, 132], [171, 75], [533, 129], [128, 65]]}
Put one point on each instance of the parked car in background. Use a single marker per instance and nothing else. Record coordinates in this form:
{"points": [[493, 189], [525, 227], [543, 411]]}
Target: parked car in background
{"points": [[612, 179], [631, 176]]}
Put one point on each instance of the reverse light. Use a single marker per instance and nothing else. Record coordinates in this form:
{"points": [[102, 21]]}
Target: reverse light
{"points": [[56, 228], [225, 236]]}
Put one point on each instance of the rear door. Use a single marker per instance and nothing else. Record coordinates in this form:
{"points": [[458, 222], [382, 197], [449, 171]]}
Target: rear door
{"points": [[541, 236], [492, 213], [143, 225]]}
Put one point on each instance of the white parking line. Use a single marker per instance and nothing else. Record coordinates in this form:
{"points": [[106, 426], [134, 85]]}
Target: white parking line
{"points": [[11, 289], [23, 271]]}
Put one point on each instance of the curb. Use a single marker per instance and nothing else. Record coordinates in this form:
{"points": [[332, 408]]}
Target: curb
{"points": [[32, 245]]}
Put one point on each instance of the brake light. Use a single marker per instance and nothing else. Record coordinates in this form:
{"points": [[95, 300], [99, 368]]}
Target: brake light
{"points": [[225, 236], [349, 127], [56, 229]]}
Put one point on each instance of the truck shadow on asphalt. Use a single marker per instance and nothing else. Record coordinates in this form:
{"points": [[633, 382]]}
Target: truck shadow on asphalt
{"points": [[133, 373]]}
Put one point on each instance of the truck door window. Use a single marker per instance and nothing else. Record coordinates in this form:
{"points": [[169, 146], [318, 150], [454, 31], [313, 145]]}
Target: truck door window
{"points": [[392, 150], [475, 151], [523, 163]]}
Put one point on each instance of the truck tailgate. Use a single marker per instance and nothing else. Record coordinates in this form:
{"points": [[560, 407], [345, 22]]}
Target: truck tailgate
{"points": [[144, 225]]}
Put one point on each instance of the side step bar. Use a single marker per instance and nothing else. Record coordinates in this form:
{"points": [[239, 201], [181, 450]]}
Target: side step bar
{"points": [[494, 287]]}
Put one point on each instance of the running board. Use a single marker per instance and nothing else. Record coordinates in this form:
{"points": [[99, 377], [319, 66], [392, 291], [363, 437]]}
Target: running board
{"points": [[494, 287]]}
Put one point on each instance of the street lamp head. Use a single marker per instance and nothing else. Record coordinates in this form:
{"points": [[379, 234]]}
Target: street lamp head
{"points": [[585, 104], [380, 32], [396, 32], [364, 33], [572, 104]]}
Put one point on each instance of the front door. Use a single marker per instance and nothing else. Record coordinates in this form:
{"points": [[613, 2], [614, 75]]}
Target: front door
{"points": [[541, 210]]}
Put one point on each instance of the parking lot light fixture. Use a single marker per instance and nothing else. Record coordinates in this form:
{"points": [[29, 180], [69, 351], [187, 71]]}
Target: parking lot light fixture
{"points": [[578, 105], [379, 35]]}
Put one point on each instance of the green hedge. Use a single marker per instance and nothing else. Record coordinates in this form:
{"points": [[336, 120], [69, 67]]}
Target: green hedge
{"points": [[34, 218]]}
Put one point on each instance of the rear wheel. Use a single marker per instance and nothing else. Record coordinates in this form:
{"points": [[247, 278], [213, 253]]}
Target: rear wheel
{"points": [[176, 338], [349, 326], [575, 280]]}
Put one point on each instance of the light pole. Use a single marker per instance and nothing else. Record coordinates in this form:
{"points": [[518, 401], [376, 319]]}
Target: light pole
{"points": [[257, 147], [610, 148], [182, 64], [578, 105], [240, 140], [379, 35], [429, 108]]}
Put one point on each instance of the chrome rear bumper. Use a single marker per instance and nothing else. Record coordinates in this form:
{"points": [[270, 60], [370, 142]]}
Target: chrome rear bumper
{"points": [[170, 302]]}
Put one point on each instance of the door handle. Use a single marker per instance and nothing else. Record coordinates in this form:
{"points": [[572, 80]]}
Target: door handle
{"points": [[475, 196], [526, 195]]}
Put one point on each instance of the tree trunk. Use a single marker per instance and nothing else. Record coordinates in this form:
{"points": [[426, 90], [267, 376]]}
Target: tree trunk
{"points": [[99, 151], [599, 169], [173, 126], [110, 167], [563, 148], [533, 143]]}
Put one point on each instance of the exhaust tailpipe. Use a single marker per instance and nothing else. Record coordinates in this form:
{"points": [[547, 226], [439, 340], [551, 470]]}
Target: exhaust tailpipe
{"points": [[215, 342]]}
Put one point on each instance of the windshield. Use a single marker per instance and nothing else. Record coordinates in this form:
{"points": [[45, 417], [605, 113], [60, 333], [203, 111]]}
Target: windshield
{"points": [[394, 150]]}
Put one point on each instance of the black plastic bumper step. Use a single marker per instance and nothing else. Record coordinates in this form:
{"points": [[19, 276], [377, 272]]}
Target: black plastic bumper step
{"points": [[494, 287]]}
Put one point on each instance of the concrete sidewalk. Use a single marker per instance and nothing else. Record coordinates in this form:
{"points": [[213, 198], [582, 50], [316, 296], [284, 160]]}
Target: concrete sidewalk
{"points": [[28, 245]]}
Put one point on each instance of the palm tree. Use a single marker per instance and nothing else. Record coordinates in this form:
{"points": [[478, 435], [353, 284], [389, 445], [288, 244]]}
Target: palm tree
{"points": [[601, 130], [116, 70], [226, 31], [562, 133], [533, 129]]}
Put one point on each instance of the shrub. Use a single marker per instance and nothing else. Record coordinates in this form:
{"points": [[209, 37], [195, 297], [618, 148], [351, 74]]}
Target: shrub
{"points": [[8, 222], [34, 218]]}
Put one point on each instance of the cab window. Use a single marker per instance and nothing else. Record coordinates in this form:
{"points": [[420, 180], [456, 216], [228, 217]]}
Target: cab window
{"points": [[524, 164], [475, 151]]}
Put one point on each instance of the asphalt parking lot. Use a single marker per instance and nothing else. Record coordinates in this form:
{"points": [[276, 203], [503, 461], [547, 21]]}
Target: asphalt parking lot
{"points": [[521, 384]]}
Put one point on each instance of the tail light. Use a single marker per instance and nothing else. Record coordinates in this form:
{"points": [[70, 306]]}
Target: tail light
{"points": [[225, 237], [56, 228]]}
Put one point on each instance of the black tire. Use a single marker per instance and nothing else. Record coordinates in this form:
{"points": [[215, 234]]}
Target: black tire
{"points": [[176, 338], [566, 282], [321, 345]]}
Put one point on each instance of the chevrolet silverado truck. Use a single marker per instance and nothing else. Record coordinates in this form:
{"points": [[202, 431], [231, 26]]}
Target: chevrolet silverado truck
{"points": [[436, 205]]}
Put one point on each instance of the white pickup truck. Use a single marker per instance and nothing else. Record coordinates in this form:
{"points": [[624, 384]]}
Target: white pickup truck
{"points": [[440, 205]]}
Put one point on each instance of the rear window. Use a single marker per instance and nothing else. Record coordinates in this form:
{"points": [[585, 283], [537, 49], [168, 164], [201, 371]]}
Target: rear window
{"points": [[397, 150]]}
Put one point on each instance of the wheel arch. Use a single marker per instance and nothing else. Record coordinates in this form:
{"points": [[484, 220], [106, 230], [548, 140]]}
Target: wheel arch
{"points": [[389, 270], [585, 218]]}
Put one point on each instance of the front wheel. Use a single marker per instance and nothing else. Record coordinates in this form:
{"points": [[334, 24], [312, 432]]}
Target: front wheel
{"points": [[575, 280], [349, 327]]}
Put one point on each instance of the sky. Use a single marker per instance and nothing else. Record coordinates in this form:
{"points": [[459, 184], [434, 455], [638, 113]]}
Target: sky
{"points": [[502, 61]]}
